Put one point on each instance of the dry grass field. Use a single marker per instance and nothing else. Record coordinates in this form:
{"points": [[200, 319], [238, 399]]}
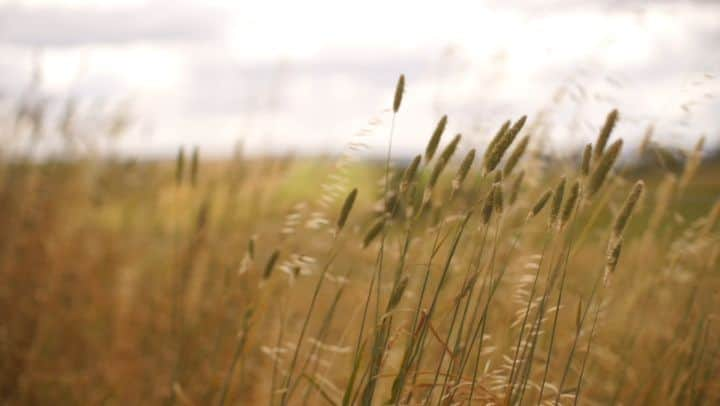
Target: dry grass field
{"points": [[495, 275]]}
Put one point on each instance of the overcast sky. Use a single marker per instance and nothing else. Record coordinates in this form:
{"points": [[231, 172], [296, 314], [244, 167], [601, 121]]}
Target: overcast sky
{"points": [[305, 75]]}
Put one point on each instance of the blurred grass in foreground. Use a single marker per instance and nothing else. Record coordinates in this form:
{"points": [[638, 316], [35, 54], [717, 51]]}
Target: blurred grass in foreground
{"points": [[129, 283]]}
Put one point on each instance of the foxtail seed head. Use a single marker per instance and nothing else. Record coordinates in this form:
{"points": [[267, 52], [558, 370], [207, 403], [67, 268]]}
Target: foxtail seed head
{"points": [[399, 90], [488, 204], [570, 203], [347, 206], [443, 160], [627, 209], [270, 265], [540, 204], [435, 139], [516, 154], [496, 140], [604, 135], [179, 166], [585, 165], [557, 200], [373, 232], [515, 130], [597, 178], [498, 198], [409, 174], [613, 256], [498, 136], [464, 169], [497, 149], [449, 150]]}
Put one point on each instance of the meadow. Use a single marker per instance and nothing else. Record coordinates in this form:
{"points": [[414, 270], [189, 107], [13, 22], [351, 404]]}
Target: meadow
{"points": [[470, 274]]}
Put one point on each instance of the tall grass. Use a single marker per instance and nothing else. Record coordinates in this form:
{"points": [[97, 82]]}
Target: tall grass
{"points": [[454, 282]]}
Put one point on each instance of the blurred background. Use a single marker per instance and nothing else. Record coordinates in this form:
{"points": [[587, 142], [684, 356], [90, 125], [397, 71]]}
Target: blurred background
{"points": [[301, 77]]}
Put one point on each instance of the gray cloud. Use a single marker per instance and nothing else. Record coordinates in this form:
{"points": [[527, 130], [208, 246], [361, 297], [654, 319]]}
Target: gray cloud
{"points": [[220, 85], [157, 21], [541, 7], [315, 100]]}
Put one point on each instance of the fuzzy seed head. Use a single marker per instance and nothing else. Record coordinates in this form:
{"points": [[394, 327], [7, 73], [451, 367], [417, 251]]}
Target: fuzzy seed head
{"points": [[179, 166], [409, 173], [604, 135], [497, 149], [570, 203], [488, 205], [449, 150], [435, 139], [399, 90], [347, 206], [613, 256], [270, 265], [496, 140], [540, 204], [515, 130], [498, 198], [516, 154], [557, 200], [597, 178], [627, 209], [373, 232], [494, 157], [464, 169], [443, 161], [585, 165]]}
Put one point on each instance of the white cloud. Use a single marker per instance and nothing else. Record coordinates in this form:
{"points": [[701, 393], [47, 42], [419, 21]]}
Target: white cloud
{"points": [[305, 75], [89, 23]]}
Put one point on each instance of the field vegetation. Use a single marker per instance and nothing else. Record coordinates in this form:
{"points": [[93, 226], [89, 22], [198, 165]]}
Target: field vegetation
{"points": [[468, 274]]}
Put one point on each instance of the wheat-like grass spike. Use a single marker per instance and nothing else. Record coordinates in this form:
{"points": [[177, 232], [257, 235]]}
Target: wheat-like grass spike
{"points": [[399, 90], [346, 208]]}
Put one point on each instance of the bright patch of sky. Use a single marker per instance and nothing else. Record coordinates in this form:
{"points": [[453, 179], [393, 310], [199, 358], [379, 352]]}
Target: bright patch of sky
{"points": [[304, 76]]}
